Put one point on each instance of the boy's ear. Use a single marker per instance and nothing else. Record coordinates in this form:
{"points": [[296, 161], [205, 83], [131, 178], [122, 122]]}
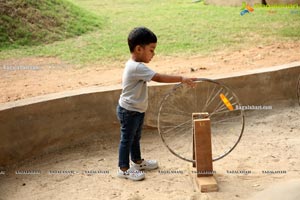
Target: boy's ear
{"points": [[138, 48]]}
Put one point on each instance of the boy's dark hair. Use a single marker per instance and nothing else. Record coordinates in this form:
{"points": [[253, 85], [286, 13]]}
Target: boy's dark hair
{"points": [[140, 36]]}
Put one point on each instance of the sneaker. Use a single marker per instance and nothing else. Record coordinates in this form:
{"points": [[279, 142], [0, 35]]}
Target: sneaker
{"points": [[145, 165], [132, 174]]}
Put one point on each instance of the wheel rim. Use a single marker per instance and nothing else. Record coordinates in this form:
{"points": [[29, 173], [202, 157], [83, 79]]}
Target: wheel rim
{"points": [[175, 118]]}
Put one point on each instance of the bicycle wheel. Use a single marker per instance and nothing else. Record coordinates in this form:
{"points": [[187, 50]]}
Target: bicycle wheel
{"points": [[175, 123], [298, 90]]}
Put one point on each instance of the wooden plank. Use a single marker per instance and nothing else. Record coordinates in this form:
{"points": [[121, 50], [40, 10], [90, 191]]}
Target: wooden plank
{"points": [[203, 150], [207, 184], [197, 116], [194, 155]]}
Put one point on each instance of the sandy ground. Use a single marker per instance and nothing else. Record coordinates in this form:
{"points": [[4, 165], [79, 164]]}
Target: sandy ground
{"points": [[271, 142], [268, 153], [34, 76]]}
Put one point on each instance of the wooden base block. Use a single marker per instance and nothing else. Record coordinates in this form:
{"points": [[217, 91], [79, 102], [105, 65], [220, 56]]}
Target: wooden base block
{"points": [[207, 184]]}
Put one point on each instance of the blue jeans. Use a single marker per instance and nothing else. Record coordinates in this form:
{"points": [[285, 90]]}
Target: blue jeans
{"points": [[131, 129]]}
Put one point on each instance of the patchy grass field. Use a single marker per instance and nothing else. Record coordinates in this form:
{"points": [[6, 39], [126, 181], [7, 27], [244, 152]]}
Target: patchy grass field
{"points": [[28, 23], [182, 27]]}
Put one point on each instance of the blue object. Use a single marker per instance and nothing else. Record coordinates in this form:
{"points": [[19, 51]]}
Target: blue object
{"points": [[244, 12]]}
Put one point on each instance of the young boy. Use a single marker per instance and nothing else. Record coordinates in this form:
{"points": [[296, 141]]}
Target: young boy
{"points": [[133, 102]]}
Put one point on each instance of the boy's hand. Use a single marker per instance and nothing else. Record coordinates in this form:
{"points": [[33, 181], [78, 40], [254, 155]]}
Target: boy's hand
{"points": [[189, 81]]}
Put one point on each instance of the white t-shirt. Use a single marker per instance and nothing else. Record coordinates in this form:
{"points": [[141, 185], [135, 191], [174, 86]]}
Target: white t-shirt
{"points": [[134, 95]]}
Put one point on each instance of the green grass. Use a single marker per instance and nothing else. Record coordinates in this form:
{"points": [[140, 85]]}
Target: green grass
{"points": [[31, 22], [183, 28]]}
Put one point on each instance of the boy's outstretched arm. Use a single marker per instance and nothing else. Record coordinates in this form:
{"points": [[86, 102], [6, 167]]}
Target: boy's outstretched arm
{"points": [[163, 78]]}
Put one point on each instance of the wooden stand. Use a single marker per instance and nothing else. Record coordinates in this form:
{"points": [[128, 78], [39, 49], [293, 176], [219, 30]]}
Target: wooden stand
{"points": [[202, 153]]}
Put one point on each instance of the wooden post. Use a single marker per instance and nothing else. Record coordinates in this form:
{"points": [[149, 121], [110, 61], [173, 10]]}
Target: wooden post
{"points": [[203, 153], [194, 117]]}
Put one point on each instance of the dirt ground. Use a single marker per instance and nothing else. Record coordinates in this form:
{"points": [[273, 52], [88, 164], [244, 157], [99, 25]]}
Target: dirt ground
{"points": [[34, 76], [267, 154]]}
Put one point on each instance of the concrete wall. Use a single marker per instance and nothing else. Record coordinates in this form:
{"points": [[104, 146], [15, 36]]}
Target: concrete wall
{"points": [[49, 123], [43, 124]]}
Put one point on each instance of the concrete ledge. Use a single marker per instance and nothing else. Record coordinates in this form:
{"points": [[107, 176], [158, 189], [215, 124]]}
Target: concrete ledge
{"points": [[48, 123]]}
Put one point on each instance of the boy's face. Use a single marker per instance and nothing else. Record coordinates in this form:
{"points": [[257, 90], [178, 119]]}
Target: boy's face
{"points": [[145, 53]]}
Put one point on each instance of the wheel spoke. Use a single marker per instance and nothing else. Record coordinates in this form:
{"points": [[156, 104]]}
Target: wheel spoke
{"points": [[179, 125]]}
